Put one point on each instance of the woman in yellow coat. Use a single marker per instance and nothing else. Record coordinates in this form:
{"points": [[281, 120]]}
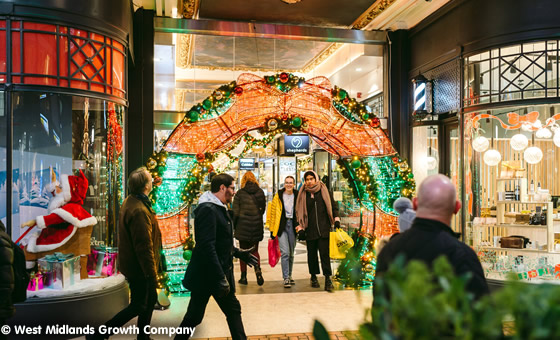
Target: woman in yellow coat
{"points": [[281, 220]]}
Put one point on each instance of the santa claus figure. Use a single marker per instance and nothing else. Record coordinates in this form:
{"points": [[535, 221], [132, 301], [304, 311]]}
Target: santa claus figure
{"points": [[66, 214]]}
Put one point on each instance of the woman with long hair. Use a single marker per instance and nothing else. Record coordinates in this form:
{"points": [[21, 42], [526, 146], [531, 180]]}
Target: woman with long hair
{"points": [[248, 209]]}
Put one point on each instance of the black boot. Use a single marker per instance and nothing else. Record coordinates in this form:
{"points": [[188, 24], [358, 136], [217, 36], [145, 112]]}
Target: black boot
{"points": [[258, 273], [328, 284], [314, 281], [243, 279]]}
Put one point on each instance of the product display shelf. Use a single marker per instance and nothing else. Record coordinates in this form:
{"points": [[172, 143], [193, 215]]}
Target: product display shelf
{"points": [[533, 232]]}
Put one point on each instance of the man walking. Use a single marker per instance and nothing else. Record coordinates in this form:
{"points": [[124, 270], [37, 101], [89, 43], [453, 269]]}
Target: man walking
{"points": [[430, 235], [316, 212], [210, 271], [280, 221], [139, 252]]}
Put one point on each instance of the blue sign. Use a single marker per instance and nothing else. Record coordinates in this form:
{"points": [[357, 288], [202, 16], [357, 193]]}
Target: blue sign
{"points": [[246, 163], [296, 144]]}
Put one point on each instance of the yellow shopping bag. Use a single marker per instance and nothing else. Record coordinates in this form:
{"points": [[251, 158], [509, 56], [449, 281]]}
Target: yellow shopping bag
{"points": [[339, 244]]}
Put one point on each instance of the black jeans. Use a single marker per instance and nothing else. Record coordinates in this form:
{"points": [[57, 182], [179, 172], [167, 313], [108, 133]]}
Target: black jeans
{"points": [[321, 244], [229, 305], [143, 297]]}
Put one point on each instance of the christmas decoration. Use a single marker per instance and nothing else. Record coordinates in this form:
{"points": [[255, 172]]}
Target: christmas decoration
{"points": [[272, 105], [533, 155], [518, 142]]}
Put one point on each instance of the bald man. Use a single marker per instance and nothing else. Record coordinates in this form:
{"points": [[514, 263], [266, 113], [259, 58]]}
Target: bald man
{"points": [[430, 235]]}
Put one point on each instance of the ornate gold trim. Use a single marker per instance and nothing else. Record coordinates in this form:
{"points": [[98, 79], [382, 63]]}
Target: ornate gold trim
{"points": [[190, 8], [185, 46], [367, 17], [321, 57]]}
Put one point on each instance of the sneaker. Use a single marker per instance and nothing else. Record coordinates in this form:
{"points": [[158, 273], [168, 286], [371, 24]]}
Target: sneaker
{"points": [[287, 283], [292, 282], [315, 282]]}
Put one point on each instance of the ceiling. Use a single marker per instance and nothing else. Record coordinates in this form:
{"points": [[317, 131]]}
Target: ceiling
{"points": [[189, 67]]}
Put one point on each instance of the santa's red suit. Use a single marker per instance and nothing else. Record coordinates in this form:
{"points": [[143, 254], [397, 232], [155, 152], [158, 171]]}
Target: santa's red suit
{"points": [[61, 224]]}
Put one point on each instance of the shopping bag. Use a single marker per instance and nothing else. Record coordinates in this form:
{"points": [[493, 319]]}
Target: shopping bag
{"points": [[339, 244], [273, 252]]}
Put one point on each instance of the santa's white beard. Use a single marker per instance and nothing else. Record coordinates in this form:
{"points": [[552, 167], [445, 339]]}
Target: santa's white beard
{"points": [[57, 201]]}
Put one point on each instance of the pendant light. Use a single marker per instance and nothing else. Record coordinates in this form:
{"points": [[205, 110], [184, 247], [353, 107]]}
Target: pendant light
{"points": [[519, 142], [533, 154], [492, 157]]}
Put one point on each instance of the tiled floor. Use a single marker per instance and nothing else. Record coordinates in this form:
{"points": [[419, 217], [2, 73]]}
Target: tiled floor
{"points": [[274, 312]]}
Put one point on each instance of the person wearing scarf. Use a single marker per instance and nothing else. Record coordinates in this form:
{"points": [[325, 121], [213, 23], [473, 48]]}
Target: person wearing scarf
{"points": [[316, 212]]}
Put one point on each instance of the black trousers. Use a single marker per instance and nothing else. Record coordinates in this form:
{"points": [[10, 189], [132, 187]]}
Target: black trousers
{"points": [[142, 300], [322, 245], [229, 305]]}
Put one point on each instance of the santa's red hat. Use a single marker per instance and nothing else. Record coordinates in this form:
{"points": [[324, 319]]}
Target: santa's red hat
{"points": [[74, 188]]}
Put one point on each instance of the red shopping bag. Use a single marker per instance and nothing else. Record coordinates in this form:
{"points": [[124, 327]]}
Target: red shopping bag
{"points": [[273, 252]]}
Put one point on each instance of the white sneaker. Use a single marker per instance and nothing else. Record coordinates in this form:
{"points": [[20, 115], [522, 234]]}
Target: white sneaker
{"points": [[292, 282], [287, 283]]}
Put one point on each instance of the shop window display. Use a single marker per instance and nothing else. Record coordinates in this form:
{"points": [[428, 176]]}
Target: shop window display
{"points": [[425, 154], [512, 159], [67, 133]]}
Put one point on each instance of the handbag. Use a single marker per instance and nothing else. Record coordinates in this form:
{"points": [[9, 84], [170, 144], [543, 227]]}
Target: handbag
{"points": [[339, 244], [517, 242], [273, 252]]}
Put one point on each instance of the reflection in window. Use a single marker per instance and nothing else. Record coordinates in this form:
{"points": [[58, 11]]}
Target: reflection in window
{"points": [[67, 133], [425, 155]]}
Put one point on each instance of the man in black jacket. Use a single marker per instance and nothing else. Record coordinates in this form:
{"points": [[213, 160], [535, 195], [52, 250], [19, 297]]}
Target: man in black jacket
{"points": [[430, 235], [210, 271]]}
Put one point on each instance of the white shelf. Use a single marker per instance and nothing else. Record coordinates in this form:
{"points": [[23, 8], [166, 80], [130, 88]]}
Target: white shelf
{"points": [[528, 226], [523, 202], [528, 250]]}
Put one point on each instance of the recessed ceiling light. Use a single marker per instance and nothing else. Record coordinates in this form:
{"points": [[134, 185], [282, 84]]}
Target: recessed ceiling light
{"points": [[358, 69]]}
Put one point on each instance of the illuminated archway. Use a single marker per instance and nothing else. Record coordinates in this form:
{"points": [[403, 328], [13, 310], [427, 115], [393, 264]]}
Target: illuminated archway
{"points": [[282, 103]]}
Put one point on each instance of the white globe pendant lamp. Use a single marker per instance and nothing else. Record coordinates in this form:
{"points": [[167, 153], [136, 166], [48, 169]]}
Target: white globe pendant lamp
{"points": [[492, 157], [519, 142], [543, 133], [480, 144], [556, 139], [533, 155]]}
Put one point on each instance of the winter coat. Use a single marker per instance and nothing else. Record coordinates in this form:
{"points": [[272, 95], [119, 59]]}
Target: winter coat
{"points": [[276, 214], [212, 256], [139, 240], [248, 209], [7, 309], [426, 240], [318, 222]]}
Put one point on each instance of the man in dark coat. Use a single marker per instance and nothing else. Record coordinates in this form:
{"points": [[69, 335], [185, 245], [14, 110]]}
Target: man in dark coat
{"points": [[210, 271], [139, 252], [430, 235], [7, 309], [317, 211]]}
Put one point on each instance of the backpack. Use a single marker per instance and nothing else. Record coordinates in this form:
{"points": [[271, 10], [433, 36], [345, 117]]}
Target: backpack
{"points": [[21, 276]]}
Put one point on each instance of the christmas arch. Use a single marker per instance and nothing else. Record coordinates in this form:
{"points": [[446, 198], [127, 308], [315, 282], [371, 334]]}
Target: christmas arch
{"points": [[272, 105]]}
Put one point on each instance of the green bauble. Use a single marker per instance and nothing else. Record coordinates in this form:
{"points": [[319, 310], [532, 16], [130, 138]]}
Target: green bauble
{"points": [[193, 115], [296, 121], [270, 79], [356, 163], [410, 175], [365, 116], [187, 255], [207, 104], [342, 94]]}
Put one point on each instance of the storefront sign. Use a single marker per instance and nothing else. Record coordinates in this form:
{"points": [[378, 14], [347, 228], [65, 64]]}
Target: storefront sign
{"points": [[296, 144], [246, 163]]}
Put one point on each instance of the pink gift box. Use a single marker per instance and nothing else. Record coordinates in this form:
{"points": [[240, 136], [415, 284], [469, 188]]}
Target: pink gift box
{"points": [[102, 262], [36, 282]]}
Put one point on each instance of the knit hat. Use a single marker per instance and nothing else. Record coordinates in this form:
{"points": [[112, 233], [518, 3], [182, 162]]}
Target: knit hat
{"points": [[406, 214]]}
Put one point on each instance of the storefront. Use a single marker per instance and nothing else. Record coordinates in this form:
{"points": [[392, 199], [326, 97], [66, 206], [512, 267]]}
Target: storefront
{"points": [[491, 124], [63, 89]]}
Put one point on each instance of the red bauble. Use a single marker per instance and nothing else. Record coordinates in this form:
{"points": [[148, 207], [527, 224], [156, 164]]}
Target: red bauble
{"points": [[210, 168], [200, 157], [284, 117], [284, 77], [375, 122], [238, 90], [396, 159], [345, 101]]}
